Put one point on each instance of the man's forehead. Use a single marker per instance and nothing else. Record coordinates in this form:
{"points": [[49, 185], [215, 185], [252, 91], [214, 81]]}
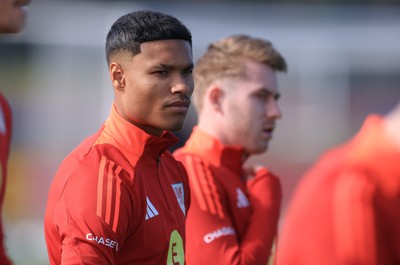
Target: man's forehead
{"points": [[164, 54], [148, 46]]}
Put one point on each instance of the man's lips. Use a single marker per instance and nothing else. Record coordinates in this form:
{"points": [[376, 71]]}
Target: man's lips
{"points": [[22, 7], [179, 105], [268, 130], [179, 102], [21, 3]]}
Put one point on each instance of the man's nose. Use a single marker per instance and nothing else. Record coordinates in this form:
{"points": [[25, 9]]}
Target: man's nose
{"points": [[273, 110]]}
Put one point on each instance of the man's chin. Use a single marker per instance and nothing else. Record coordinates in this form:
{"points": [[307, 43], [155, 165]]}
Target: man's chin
{"points": [[257, 150], [174, 127]]}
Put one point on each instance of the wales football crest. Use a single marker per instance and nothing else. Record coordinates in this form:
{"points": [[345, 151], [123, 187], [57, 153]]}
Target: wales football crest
{"points": [[180, 195]]}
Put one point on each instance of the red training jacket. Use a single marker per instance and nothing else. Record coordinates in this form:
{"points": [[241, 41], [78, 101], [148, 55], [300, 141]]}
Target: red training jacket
{"points": [[347, 208], [230, 221], [119, 198]]}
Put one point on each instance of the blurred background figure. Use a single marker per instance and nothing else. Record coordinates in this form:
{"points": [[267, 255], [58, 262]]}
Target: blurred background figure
{"points": [[12, 20], [234, 211], [344, 63], [346, 210]]}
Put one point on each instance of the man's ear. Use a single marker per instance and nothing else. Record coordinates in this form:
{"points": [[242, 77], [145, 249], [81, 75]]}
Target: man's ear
{"points": [[117, 76], [215, 97]]}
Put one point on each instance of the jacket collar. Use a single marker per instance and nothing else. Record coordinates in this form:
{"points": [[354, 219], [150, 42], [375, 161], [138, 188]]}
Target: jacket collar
{"points": [[214, 152], [132, 140]]}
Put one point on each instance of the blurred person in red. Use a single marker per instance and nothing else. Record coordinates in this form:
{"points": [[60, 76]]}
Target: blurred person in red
{"points": [[120, 197], [346, 209], [234, 211], [12, 20]]}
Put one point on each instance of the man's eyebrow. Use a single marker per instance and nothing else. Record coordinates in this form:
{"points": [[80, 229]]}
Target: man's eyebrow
{"points": [[267, 90], [170, 66]]}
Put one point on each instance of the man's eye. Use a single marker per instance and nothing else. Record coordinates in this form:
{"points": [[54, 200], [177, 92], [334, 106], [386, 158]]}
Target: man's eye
{"points": [[188, 71], [161, 72], [262, 95]]}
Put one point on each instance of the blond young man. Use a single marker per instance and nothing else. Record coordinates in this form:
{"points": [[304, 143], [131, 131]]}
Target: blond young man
{"points": [[234, 211]]}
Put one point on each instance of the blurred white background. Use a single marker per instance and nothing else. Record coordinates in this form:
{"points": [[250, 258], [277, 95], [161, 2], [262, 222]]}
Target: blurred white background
{"points": [[344, 62]]}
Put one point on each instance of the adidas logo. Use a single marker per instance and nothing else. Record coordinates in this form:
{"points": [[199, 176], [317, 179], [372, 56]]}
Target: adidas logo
{"points": [[242, 200], [151, 210]]}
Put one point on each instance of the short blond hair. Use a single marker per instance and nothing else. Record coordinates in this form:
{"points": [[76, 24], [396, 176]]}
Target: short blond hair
{"points": [[226, 59]]}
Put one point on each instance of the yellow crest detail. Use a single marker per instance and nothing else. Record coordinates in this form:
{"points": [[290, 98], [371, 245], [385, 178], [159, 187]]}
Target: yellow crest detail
{"points": [[176, 253]]}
